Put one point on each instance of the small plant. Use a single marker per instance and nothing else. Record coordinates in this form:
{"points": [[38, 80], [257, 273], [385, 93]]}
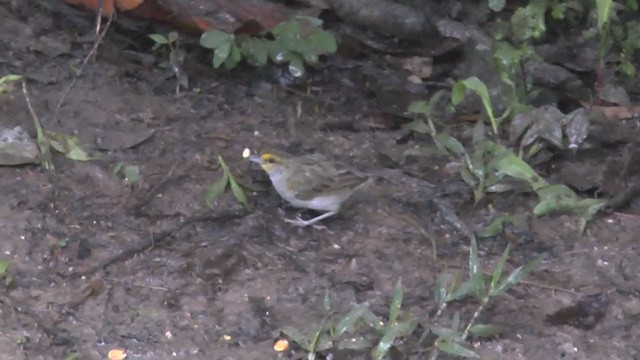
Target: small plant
{"points": [[394, 328], [477, 86], [294, 42], [170, 45], [491, 167], [628, 36], [513, 46], [219, 187], [46, 140], [348, 332], [611, 32], [361, 329], [130, 174], [483, 287]]}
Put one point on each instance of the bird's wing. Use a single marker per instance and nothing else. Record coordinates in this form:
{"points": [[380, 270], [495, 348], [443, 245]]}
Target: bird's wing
{"points": [[315, 176]]}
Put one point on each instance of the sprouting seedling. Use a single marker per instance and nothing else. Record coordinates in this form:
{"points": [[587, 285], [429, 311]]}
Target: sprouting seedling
{"points": [[175, 56], [219, 187], [130, 174]]}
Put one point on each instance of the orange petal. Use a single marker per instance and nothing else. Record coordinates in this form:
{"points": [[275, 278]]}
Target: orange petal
{"points": [[126, 5]]}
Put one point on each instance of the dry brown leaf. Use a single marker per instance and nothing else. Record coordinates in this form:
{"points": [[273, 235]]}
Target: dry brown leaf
{"points": [[615, 112]]}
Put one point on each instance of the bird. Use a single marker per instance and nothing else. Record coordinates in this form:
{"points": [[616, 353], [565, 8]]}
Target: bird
{"points": [[309, 181]]}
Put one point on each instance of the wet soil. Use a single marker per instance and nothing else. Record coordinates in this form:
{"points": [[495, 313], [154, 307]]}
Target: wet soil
{"points": [[194, 282]]}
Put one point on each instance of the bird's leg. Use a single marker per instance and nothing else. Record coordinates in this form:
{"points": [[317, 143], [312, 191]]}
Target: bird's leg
{"points": [[298, 221]]}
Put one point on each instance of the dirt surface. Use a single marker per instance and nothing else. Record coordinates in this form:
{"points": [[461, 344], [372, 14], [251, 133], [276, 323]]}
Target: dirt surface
{"points": [[221, 283]]}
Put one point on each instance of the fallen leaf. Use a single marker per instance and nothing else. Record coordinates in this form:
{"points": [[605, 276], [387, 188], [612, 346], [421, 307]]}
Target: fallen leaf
{"points": [[615, 112]]}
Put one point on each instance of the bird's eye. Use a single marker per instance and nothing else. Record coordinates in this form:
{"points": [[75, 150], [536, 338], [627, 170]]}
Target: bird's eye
{"points": [[271, 160]]}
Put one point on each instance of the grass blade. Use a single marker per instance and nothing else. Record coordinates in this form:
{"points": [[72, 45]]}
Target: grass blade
{"points": [[238, 192], [453, 348], [515, 277], [497, 273], [348, 323], [396, 303]]}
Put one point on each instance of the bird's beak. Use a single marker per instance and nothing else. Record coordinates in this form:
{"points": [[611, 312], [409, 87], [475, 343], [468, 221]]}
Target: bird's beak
{"points": [[255, 159]]}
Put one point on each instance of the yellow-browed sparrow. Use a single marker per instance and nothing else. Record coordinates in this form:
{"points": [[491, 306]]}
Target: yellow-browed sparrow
{"points": [[309, 181]]}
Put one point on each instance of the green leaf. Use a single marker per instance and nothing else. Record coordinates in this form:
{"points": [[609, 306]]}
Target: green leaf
{"points": [[558, 10], [256, 51], [324, 40], [10, 78], [476, 85], [441, 289], [372, 319], [396, 303], [6, 82], [458, 93], [349, 322], [297, 336], [451, 143], [68, 145], [528, 22], [310, 57], [593, 207], [296, 66], [234, 57], [221, 54], [235, 187], [494, 228], [4, 266], [417, 125], [508, 163], [236, 54], [419, 107], [277, 52], [514, 277], [392, 333], [497, 5], [320, 341], [476, 277], [216, 189], [444, 332], [485, 331], [556, 198], [453, 348], [603, 13], [159, 39], [461, 291], [213, 39], [497, 272], [288, 32], [474, 261], [131, 174]]}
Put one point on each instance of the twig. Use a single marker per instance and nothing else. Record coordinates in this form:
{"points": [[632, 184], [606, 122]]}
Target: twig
{"points": [[99, 16], [549, 287], [156, 239], [42, 139], [93, 50]]}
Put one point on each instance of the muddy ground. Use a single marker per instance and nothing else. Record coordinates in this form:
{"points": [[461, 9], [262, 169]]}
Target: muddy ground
{"points": [[221, 283]]}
